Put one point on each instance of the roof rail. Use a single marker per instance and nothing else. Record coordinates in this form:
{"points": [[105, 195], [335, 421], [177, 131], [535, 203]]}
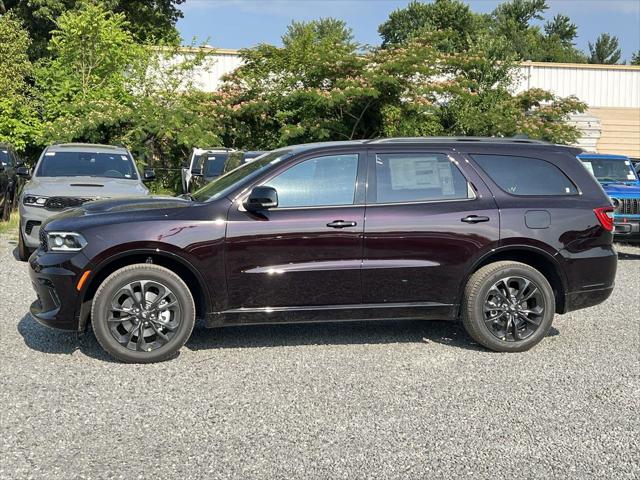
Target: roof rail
{"points": [[458, 140], [85, 145]]}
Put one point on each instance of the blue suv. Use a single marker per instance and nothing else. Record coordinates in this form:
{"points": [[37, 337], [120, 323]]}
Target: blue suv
{"points": [[620, 181]]}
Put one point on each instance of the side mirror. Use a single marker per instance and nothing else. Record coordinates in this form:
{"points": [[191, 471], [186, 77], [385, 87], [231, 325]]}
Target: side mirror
{"points": [[261, 198], [23, 172], [196, 172], [148, 175]]}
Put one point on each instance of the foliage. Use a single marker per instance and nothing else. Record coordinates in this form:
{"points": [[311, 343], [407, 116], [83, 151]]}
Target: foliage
{"points": [[606, 50], [318, 88], [635, 58], [18, 116], [510, 23], [101, 86], [406, 23], [149, 20]]}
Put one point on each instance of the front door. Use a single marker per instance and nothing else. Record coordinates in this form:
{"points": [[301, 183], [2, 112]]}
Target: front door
{"points": [[426, 222], [306, 252]]}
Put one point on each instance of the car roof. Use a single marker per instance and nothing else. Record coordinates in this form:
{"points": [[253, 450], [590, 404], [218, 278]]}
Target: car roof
{"points": [[86, 147], [603, 156], [405, 141]]}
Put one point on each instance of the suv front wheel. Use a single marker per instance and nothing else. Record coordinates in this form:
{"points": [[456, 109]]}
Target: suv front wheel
{"points": [[508, 306], [142, 313]]}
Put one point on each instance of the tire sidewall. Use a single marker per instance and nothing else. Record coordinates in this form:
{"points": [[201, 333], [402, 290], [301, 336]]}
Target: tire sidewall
{"points": [[120, 278], [477, 311]]}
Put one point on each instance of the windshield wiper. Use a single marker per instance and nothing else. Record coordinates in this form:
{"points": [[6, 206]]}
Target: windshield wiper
{"points": [[187, 196]]}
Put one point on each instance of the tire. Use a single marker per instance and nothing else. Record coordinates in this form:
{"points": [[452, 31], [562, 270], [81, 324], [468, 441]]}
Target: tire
{"points": [[505, 328], [164, 332], [24, 252], [6, 206]]}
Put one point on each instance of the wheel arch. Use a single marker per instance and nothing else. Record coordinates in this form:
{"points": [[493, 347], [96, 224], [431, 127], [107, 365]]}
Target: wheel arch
{"points": [[187, 272], [537, 258]]}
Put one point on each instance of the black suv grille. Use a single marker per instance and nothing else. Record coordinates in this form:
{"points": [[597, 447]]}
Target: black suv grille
{"points": [[629, 206], [59, 203], [43, 240]]}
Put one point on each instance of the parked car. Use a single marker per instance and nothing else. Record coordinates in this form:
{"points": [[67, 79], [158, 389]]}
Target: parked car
{"points": [[205, 164], [499, 233], [620, 181], [70, 174], [9, 162]]}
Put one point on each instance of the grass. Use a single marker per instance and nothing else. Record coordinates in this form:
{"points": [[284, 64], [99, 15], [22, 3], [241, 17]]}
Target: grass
{"points": [[10, 228]]}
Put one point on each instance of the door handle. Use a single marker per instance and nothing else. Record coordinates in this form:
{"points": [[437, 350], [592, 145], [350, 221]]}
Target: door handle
{"points": [[474, 219], [341, 224]]}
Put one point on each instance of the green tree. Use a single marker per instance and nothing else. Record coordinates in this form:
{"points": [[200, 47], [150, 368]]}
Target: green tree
{"points": [[315, 89], [100, 85], [562, 29], [635, 58], [18, 116], [149, 20], [606, 50], [416, 17]]}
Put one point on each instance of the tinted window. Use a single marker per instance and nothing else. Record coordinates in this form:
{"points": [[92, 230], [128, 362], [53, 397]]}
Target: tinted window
{"points": [[89, 164], [409, 177], [525, 175], [329, 180], [5, 159], [214, 163]]}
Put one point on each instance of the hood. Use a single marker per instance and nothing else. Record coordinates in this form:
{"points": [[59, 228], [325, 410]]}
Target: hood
{"points": [[121, 210], [85, 187], [622, 190], [128, 204]]}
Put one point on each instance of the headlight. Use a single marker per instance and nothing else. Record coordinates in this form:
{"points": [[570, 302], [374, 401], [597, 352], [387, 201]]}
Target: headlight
{"points": [[34, 200], [616, 204], [65, 241]]}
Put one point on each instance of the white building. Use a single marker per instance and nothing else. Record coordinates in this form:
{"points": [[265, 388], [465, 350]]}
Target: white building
{"points": [[612, 92]]}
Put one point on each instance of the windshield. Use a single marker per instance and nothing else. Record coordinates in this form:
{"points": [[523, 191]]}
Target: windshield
{"points": [[610, 170], [223, 185], [86, 164], [4, 157]]}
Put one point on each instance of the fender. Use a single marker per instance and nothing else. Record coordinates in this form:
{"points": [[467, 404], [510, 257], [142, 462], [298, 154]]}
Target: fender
{"points": [[83, 307]]}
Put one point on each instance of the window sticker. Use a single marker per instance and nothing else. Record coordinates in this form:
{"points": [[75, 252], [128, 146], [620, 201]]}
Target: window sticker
{"points": [[414, 173], [446, 178], [124, 157], [50, 154], [127, 175], [631, 176], [627, 163]]}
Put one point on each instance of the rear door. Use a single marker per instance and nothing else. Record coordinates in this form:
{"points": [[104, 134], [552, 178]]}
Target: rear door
{"points": [[428, 217]]}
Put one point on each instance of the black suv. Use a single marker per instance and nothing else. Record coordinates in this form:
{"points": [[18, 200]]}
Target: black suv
{"points": [[9, 162], [498, 233]]}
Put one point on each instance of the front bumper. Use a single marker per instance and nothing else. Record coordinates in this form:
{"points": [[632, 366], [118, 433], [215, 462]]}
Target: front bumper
{"points": [[54, 277], [33, 218]]}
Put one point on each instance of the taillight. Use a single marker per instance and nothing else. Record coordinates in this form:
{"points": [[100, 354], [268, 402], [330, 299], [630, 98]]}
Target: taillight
{"points": [[605, 217]]}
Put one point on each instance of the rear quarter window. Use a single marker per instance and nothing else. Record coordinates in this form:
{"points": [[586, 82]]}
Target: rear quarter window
{"points": [[526, 175]]}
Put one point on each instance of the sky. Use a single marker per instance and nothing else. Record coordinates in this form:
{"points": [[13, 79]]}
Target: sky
{"points": [[244, 23]]}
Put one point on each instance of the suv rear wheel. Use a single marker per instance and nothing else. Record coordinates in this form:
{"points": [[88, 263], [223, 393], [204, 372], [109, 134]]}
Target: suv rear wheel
{"points": [[508, 306], [142, 313]]}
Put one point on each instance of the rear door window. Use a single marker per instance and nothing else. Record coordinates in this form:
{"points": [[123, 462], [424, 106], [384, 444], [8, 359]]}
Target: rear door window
{"points": [[526, 175], [417, 177]]}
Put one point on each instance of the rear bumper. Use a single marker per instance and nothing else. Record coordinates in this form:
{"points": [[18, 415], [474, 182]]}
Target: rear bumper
{"points": [[586, 299]]}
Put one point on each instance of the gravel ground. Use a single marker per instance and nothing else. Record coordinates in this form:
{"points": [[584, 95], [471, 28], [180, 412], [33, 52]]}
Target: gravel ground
{"points": [[341, 401]]}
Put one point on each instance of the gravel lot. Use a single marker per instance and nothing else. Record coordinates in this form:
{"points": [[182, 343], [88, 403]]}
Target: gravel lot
{"points": [[341, 401]]}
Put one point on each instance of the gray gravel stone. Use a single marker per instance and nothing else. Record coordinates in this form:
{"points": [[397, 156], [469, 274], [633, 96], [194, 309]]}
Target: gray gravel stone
{"points": [[406, 400]]}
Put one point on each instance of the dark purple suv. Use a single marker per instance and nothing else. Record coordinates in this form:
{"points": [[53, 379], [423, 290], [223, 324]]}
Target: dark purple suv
{"points": [[498, 233]]}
